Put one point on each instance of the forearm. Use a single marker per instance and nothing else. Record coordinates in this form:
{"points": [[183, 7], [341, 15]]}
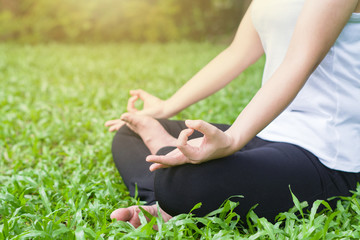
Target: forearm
{"points": [[265, 105], [312, 39], [245, 50], [213, 77]]}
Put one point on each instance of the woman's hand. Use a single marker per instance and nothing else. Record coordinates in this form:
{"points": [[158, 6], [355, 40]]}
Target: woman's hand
{"points": [[153, 106], [214, 144]]}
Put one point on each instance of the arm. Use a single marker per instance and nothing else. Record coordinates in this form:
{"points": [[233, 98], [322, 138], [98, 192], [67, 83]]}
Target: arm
{"points": [[245, 50], [309, 45], [318, 27]]}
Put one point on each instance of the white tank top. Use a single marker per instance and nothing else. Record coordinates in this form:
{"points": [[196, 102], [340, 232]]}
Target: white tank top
{"points": [[324, 118]]}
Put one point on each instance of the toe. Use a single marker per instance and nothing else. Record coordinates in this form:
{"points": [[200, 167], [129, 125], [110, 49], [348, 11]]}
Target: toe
{"points": [[125, 117], [122, 214], [131, 119], [151, 209]]}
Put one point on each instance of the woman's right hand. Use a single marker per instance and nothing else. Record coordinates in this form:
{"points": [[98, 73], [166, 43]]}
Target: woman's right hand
{"points": [[153, 106]]}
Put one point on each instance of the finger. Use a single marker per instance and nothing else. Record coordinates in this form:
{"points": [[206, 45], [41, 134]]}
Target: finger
{"points": [[135, 92], [156, 166], [157, 159], [188, 150], [131, 104], [202, 126], [184, 136], [140, 93], [173, 158], [111, 122], [116, 126]]}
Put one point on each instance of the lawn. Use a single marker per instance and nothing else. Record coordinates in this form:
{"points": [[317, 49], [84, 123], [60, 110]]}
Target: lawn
{"points": [[57, 179]]}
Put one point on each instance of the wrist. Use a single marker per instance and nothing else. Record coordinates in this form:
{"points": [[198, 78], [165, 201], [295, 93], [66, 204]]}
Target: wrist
{"points": [[169, 109], [235, 141]]}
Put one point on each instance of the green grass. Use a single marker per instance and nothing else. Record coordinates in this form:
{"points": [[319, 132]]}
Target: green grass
{"points": [[57, 179]]}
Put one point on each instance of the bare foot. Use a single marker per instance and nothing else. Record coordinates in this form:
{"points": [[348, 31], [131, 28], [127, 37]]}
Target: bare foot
{"points": [[131, 214], [150, 130]]}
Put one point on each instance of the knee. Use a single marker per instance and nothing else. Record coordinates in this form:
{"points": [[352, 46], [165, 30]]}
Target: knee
{"points": [[121, 142], [164, 193], [122, 135], [173, 192], [124, 131]]}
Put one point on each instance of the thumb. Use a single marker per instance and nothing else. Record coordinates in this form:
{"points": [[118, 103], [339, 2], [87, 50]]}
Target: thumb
{"points": [[204, 127], [186, 149], [139, 93]]}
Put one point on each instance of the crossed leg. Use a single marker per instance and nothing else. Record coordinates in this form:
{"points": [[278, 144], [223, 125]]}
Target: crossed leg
{"points": [[155, 137], [150, 130], [262, 172]]}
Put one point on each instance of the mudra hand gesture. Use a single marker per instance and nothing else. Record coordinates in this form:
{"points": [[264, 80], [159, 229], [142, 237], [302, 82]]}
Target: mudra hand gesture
{"points": [[153, 107], [214, 144]]}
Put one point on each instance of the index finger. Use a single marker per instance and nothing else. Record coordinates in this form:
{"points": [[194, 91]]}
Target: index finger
{"points": [[111, 122], [131, 104], [140, 93], [173, 158], [156, 166], [202, 126]]}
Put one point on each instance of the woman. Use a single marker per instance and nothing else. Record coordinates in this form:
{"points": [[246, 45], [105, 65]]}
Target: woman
{"points": [[301, 129]]}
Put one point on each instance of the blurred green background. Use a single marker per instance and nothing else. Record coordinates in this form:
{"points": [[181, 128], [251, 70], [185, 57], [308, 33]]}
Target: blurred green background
{"points": [[82, 21]]}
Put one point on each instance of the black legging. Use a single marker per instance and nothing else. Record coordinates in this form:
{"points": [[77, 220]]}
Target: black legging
{"points": [[261, 172]]}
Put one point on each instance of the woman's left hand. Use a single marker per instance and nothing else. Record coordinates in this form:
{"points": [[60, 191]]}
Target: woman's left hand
{"points": [[214, 144]]}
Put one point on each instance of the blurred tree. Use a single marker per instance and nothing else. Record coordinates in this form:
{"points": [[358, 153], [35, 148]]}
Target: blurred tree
{"points": [[117, 20]]}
